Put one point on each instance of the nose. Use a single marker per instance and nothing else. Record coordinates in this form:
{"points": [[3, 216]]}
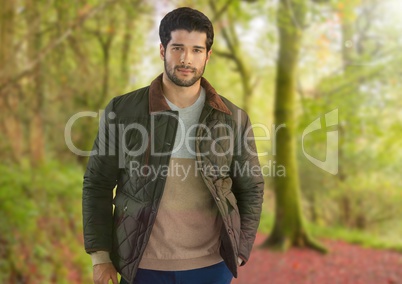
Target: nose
{"points": [[185, 58]]}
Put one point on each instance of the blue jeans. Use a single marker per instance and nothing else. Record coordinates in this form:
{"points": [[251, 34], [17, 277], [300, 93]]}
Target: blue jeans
{"points": [[214, 274]]}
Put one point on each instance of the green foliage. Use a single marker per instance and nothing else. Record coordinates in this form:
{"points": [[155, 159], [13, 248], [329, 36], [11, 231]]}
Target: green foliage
{"points": [[371, 201], [111, 52], [365, 193], [41, 225], [363, 238], [66, 57]]}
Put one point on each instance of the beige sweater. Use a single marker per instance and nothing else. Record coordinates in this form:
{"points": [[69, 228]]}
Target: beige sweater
{"points": [[186, 231]]}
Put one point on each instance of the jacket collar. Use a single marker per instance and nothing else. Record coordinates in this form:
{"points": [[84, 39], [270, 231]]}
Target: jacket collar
{"points": [[157, 101]]}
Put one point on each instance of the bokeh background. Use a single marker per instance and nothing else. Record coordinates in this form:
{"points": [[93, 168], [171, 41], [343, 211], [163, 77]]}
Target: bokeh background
{"points": [[59, 58]]}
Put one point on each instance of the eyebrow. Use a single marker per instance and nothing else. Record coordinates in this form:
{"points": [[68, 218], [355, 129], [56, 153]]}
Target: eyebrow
{"points": [[195, 46]]}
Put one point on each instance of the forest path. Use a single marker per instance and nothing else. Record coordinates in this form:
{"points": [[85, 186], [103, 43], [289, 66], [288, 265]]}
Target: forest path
{"points": [[345, 264]]}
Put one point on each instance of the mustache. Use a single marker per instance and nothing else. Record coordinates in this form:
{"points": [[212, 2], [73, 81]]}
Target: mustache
{"points": [[185, 67]]}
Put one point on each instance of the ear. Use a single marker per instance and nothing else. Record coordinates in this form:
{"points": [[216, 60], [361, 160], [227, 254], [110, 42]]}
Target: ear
{"points": [[208, 55], [161, 51]]}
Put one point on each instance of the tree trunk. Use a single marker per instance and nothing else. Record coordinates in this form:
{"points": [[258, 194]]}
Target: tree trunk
{"points": [[126, 46], [10, 126], [289, 226], [36, 93], [347, 16]]}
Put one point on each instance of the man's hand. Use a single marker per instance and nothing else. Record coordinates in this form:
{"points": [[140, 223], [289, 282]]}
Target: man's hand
{"points": [[104, 272]]}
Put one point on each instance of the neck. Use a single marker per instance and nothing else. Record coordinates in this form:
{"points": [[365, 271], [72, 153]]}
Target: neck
{"points": [[181, 96]]}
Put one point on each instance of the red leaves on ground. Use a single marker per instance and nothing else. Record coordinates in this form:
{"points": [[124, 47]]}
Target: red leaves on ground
{"points": [[345, 264]]}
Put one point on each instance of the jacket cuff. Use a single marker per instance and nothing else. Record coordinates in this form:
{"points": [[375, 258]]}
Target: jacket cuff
{"points": [[99, 257]]}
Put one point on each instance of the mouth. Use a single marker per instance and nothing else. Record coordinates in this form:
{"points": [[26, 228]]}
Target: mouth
{"points": [[185, 70]]}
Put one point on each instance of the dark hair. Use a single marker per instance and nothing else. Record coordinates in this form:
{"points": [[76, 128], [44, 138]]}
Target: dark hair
{"points": [[188, 19]]}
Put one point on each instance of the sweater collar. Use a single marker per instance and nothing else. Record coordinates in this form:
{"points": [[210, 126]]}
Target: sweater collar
{"points": [[157, 101]]}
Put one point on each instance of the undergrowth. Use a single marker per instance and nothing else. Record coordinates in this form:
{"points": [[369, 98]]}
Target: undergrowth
{"points": [[41, 239]]}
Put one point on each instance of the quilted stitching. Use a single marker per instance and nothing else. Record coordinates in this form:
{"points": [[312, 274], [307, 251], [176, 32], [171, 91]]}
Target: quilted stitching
{"points": [[138, 197]]}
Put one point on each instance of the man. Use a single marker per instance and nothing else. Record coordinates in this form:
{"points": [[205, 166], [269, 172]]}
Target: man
{"points": [[189, 187]]}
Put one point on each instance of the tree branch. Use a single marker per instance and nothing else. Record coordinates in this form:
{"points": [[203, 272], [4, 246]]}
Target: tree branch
{"points": [[56, 42], [218, 14], [227, 55]]}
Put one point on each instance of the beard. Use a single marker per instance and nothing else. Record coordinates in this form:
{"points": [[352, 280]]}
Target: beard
{"points": [[170, 72]]}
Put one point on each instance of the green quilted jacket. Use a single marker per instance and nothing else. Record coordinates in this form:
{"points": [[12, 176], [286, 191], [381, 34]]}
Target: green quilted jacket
{"points": [[139, 127]]}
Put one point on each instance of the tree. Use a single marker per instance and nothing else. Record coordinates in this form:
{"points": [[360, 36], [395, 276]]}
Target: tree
{"points": [[10, 126], [360, 84], [361, 43], [289, 226], [59, 58], [234, 50], [36, 144]]}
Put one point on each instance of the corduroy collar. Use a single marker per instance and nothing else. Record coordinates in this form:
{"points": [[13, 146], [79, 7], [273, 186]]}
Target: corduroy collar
{"points": [[157, 101]]}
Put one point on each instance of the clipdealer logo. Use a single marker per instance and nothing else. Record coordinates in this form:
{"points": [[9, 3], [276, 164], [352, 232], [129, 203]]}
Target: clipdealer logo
{"points": [[325, 123], [120, 131]]}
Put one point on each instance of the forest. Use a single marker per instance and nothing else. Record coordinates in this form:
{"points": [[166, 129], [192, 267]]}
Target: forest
{"points": [[320, 80]]}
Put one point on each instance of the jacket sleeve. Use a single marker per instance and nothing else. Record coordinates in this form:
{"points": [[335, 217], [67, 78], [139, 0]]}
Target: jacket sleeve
{"points": [[248, 186], [99, 181]]}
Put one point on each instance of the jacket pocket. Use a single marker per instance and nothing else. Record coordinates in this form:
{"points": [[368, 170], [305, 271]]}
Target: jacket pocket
{"points": [[126, 226]]}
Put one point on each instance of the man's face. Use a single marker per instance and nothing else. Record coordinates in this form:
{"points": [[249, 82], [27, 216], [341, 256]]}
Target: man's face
{"points": [[185, 57]]}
